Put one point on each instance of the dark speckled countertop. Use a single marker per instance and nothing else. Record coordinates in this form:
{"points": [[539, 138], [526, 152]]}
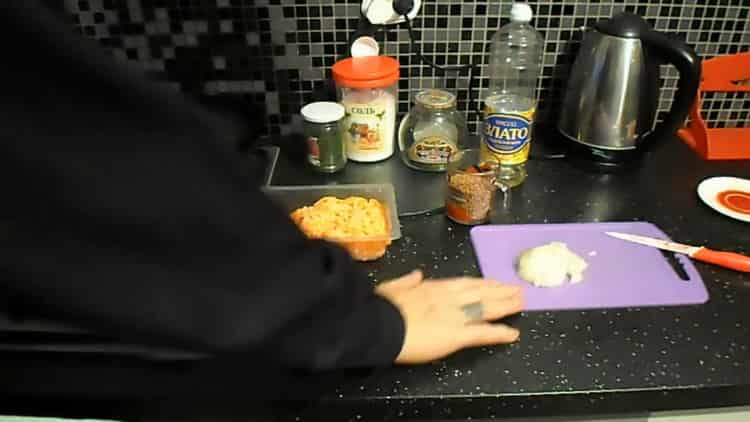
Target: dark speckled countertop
{"points": [[567, 363], [576, 362]]}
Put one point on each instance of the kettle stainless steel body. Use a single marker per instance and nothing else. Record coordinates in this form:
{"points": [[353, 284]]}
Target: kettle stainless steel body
{"points": [[613, 91]]}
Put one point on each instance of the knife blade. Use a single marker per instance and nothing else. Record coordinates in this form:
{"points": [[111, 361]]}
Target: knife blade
{"points": [[656, 243], [729, 260]]}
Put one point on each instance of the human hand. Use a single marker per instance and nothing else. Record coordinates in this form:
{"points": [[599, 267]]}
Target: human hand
{"points": [[436, 324]]}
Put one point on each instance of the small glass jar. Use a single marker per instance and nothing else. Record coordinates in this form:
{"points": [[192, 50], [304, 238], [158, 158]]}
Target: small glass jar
{"points": [[367, 88], [432, 131], [326, 151], [471, 186]]}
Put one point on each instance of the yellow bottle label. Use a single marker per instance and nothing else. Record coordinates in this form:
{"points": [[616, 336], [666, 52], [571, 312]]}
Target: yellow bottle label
{"points": [[506, 137]]}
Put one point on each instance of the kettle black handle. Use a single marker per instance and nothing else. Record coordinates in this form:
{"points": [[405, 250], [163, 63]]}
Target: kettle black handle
{"points": [[689, 65]]}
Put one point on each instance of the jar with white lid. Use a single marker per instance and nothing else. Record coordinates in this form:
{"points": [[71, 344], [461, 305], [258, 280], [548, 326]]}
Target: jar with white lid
{"points": [[325, 147], [367, 88]]}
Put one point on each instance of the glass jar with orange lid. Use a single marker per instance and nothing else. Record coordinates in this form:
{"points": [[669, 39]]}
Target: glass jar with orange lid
{"points": [[367, 88]]}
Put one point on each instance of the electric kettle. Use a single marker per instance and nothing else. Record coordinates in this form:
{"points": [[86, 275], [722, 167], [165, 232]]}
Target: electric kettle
{"points": [[613, 92]]}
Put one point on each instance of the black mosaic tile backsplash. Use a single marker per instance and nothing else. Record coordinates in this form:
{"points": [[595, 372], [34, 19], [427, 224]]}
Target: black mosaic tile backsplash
{"points": [[276, 54]]}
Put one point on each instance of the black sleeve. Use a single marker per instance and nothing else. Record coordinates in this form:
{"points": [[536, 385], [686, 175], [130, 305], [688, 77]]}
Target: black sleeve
{"points": [[126, 211]]}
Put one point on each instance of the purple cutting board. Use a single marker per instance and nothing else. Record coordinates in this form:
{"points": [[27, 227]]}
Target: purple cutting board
{"points": [[620, 274]]}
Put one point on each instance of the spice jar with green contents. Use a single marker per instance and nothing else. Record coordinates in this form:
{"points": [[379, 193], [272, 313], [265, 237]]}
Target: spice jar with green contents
{"points": [[432, 131], [326, 151]]}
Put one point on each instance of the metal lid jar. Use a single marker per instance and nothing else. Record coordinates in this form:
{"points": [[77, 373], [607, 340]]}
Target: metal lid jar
{"points": [[367, 88], [431, 131], [325, 148]]}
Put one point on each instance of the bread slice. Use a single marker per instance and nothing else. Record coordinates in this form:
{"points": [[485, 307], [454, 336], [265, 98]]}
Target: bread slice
{"points": [[358, 224]]}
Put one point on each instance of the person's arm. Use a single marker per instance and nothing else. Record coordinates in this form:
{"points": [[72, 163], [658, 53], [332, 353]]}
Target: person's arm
{"points": [[126, 211]]}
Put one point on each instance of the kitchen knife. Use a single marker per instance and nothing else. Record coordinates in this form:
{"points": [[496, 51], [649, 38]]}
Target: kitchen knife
{"points": [[730, 260]]}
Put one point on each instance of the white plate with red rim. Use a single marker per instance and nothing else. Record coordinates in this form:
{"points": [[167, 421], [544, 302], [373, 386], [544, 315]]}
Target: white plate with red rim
{"points": [[727, 195]]}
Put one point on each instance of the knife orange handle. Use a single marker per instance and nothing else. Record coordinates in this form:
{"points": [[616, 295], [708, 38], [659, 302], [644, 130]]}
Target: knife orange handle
{"points": [[730, 260]]}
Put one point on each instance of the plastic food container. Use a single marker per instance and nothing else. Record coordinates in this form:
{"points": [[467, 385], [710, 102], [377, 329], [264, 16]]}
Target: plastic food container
{"points": [[363, 248], [367, 88]]}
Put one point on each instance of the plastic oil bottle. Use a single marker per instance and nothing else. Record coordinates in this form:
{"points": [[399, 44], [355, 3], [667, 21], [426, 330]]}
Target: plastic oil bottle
{"points": [[509, 106]]}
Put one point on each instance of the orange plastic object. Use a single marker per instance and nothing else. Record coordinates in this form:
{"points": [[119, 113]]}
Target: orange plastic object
{"points": [[366, 72], [720, 74]]}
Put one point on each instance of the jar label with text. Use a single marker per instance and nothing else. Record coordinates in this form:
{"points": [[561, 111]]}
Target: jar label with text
{"points": [[363, 127], [506, 137], [313, 151], [432, 150]]}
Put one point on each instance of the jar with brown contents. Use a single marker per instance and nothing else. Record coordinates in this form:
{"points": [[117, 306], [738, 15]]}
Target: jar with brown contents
{"points": [[470, 188]]}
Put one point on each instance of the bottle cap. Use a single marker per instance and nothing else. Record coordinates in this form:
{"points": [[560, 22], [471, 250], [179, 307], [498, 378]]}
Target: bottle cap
{"points": [[521, 12], [365, 47], [323, 112]]}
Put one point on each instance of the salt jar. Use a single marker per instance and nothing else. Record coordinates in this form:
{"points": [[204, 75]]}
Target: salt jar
{"points": [[432, 131], [367, 88]]}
